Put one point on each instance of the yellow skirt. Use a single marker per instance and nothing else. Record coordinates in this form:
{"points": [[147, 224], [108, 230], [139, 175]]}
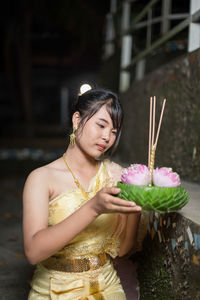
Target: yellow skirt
{"points": [[100, 284]]}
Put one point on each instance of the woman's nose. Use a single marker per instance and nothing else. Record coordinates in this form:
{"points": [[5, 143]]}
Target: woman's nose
{"points": [[106, 136]]}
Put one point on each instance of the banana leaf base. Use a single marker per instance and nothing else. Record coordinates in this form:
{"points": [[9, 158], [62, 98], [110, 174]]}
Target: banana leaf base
{"points": [[155, 198]]}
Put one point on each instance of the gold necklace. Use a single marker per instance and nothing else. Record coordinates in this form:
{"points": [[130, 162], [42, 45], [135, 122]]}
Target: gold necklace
{"points": [[85, 194]]}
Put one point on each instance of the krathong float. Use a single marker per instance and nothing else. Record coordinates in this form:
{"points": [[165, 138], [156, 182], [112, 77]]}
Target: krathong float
{"points": [[157, 189]]}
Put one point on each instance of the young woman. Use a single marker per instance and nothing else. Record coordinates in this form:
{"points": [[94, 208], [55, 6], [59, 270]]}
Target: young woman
{"points": [[73, 222]]}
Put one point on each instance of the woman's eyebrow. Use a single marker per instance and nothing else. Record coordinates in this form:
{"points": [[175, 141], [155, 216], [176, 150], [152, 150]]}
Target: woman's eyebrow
{"points": [[104, 120]]}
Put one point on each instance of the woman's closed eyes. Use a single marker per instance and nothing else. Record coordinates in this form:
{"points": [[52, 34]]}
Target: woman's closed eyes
{"points": [[100, 125], [103, 126]]}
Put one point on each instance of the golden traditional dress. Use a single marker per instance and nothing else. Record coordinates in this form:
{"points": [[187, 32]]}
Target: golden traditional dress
{"points": [[83, 269]]}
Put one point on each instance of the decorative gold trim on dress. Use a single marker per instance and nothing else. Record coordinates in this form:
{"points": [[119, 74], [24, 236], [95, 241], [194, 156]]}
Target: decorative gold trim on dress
{"points": [[99, 296], [76, 265], [94, 287]]}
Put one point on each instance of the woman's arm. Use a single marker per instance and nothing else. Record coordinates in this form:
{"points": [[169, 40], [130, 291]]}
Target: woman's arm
{"points": [[41, 241]]}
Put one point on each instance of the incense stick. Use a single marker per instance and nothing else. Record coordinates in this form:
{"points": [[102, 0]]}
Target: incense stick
{"points": [[150, 131], [152, 144], [154, 118], [160, 121]]}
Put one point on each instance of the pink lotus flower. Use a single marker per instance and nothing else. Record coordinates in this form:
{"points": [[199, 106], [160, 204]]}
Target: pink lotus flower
{"points": [[136, 174], [164, 177]]}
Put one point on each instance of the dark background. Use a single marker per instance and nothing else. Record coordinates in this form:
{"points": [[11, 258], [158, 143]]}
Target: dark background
{"points": [[46, 45]]}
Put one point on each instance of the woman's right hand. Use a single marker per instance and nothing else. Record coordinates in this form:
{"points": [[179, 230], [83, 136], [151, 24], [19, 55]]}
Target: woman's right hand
{"points": [[105, 201]]}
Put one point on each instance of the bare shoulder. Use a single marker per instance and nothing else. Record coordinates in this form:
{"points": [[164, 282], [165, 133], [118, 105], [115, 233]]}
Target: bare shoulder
{"points": [[42, 173], [38, 175], [41, 177], [115, 170]]}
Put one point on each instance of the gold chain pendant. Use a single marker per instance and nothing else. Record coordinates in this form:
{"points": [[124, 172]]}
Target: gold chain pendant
{"points": [[85, 194]]}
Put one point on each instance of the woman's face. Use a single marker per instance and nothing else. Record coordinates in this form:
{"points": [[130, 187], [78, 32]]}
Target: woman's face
{"points": [[98, 134]]}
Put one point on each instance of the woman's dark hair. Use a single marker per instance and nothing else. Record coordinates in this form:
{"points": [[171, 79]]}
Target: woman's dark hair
{"points": [[91, 101]]}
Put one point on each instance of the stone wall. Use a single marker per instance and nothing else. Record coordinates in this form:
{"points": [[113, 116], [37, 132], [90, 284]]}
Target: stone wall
{"points": [[179, 141], [169, 264]]}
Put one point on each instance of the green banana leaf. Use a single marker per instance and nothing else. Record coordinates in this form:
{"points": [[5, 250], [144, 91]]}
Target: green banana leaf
{"points": [[155, 198]]}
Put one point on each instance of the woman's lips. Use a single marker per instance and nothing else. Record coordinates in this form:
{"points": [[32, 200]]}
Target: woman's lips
{"points": [[101, 147]]}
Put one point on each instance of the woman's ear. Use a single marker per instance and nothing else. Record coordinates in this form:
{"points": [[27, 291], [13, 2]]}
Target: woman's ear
{"points": [[76, 118]]}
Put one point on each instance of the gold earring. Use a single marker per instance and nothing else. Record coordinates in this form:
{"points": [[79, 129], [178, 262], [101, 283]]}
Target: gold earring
{"points": [[73, 136]]}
